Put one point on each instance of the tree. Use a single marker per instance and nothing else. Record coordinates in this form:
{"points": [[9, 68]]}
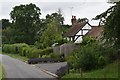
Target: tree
{"points": [[5, 23], [55, 16], [7, 31], [26, 22], [7, 35], [82, 19], [52, 30], [51, 35], [112, 26], [111, 20]]}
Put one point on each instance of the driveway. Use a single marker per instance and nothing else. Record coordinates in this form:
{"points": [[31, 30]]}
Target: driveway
{"points": [[14, 68], [51, 67]]}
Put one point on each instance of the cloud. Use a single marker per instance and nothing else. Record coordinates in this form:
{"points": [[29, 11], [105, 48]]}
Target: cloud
{"points": [[83, 8], [54, 1]]}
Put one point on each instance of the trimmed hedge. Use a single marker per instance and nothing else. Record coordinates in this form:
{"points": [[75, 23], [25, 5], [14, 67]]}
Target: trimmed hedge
{"points": [[46, 51], [25, 50], [9, 48]]}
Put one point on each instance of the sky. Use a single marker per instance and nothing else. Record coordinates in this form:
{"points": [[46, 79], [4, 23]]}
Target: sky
{"points": [[79, 8]]}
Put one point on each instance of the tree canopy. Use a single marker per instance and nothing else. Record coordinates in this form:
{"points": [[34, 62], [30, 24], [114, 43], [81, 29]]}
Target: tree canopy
{"points": [[55, 16], [112, 26], [26, 22], [51, 35], [5, 23], [111, 20], [27, 27]]}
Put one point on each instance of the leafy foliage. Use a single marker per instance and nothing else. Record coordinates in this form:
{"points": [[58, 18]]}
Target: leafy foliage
{"points": [[51, 35], [7, 35], [27, 27], [82, 20], [111, 21], [57, 56], [26, 22], [87, 56], [112, 26], [55, 16], [25, 50], [101, 61], [5, 23]]}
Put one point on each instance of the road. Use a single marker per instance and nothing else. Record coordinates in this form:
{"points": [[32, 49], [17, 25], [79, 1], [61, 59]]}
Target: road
{"points": [[51, 67], [14, 68]]}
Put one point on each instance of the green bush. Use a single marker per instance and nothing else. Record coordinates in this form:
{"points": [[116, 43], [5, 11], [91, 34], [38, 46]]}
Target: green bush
{"points": [[87, 40], [101, 61], [61, 41], [46, 51], [57, 56], [4, 48], [25, 50], [20, 47], [112, 54], [35, 53], [72, 62], [46, 56], [86, 57], [9, 48]]}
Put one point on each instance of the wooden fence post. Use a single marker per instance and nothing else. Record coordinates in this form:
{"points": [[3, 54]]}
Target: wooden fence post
{"points": [[81, 73]]}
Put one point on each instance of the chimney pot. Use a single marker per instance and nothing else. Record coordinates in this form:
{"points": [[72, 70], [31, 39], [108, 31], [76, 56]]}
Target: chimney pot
{"points": [[73, 20]]}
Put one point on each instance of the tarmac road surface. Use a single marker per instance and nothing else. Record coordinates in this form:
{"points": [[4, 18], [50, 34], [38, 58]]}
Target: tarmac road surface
{"points": [[14, 68]]}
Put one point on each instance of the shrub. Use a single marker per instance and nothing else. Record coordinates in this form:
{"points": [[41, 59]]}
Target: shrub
{"points": [[86, 57], [45, 56], [72, 62], [31, 53], [61, 41], [57, 56], [46, 51], [20, 47], [26, 50], [23, 50], [101, 61], [9, 48], [112, 54], [35, 53], [87, 40]]}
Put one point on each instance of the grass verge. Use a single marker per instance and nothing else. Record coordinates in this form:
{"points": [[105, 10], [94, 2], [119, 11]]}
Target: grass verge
{"points": [[110, 71], [1, 72]]}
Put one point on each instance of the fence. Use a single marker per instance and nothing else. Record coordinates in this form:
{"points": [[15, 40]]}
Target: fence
{"points": [[65, 49]]}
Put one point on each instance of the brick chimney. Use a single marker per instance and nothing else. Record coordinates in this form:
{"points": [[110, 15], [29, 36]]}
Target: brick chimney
{"points": [[73, 20]]}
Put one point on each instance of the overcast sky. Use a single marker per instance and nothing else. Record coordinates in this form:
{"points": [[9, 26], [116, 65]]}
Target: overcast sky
{"points": [[81, 8]]}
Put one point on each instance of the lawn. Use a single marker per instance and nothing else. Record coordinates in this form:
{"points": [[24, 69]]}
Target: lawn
{"points": [[17, 56], [110, 71]]}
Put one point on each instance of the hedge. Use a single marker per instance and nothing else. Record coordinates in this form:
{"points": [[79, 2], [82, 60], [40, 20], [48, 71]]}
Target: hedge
{"points": [[46, 51], [9, 48], [25, 50]]}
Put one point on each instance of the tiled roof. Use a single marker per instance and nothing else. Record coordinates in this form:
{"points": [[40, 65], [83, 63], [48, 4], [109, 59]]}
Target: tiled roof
{"points": [[72, 31], [95, 31]]}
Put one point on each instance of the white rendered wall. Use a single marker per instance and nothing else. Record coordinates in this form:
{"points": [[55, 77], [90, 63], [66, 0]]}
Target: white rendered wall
{"points": [[79, 40]]}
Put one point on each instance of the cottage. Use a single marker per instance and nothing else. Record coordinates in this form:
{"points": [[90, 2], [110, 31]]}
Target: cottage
{"points": [[80, 29], [95, 32]]}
